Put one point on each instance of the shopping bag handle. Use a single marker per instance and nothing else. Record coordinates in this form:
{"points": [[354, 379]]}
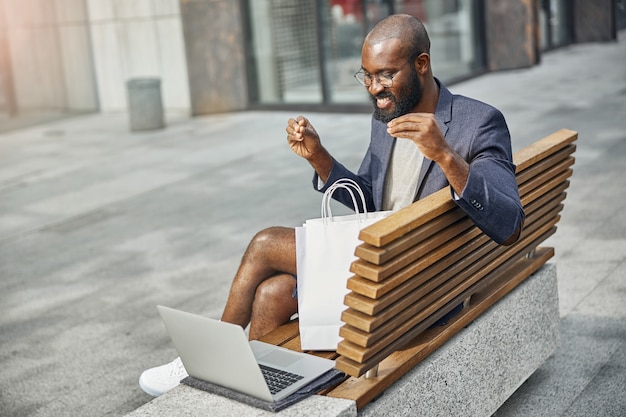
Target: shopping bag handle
{"points": [[350, 186]]}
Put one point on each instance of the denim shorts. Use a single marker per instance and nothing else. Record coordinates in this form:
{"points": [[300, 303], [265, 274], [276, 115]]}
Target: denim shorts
{"points": [[294, 294]]}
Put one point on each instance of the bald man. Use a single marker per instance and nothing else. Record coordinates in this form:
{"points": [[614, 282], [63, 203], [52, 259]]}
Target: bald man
{"points": [[423, 139]]}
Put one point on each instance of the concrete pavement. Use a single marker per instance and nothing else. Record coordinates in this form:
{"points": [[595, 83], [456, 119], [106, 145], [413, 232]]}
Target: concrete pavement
{"points": [[98, 225]]}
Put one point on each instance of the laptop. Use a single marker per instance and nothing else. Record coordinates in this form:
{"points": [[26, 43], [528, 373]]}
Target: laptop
{"points": [[220, 353]]}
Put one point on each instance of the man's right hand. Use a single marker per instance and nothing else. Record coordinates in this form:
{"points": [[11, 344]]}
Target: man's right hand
{"points": [[302, 137], [304, 141]]}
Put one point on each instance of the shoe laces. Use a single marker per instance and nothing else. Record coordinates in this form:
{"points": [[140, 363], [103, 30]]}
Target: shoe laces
{"points": [[177, 368]]}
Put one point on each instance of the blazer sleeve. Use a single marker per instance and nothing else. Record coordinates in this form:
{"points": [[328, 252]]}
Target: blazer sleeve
{"points": [[491, 197]]}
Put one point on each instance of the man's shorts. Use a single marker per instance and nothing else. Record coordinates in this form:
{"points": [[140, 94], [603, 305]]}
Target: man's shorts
{"points": [[294, 294]]}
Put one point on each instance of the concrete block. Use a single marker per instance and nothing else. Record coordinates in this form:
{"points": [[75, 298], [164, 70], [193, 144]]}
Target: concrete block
{"points": [[186, 401], [109, 66], [479, 368], [145, 105]]}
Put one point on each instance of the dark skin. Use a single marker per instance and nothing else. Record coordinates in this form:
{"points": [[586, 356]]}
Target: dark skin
{"points": [[261, 292]]}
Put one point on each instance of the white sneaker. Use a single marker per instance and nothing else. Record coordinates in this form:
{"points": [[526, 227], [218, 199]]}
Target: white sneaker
{"points": [[159, 380]]}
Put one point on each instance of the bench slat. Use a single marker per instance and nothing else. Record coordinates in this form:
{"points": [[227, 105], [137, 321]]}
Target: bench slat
{"points": [[543, 148], [283, 334], [437, 246], [545, 164], [380, 255], [550, 179], [367, 362], [428, 266]]}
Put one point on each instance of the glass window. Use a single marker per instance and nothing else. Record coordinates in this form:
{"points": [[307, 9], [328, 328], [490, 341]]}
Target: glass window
{"points": [[285, 51], [554, 23], [308, 51], [454, 38], [347, 23]]}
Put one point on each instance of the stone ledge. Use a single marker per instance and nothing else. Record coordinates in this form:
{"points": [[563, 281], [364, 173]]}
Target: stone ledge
{"points": [[477, 370], [186, 401], [472, 374]]}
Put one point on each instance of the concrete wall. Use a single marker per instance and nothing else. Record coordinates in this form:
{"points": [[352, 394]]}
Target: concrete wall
{"points": [[511, 34], [47, 46], [77, 55], [594, 21], [138, 38], [215, 55], [7, 98]]}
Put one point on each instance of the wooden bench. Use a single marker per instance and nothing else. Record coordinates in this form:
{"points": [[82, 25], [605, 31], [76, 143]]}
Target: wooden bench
{"points": [[421, 262]]}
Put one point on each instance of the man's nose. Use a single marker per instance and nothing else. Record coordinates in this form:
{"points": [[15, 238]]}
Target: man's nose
{"points": [[375, 87]]}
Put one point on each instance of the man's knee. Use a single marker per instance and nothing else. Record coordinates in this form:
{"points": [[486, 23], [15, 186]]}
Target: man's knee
{"points": [[275, 291], [270, 238]]}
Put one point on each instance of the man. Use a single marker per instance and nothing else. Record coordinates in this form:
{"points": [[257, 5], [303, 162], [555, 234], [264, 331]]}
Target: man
{"points": [[423, 139]]}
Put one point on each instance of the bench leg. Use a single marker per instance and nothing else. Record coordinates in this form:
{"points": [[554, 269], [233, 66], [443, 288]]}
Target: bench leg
{"points": [[372, 373], [466, 302]]}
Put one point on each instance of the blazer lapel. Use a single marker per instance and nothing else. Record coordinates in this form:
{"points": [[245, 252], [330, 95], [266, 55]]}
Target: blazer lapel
{"points": [[443, 114]]}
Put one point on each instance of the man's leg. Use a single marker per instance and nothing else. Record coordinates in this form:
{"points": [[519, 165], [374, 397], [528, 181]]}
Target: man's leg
{"points": [[261, 294], [273, 305], [261, 290]]}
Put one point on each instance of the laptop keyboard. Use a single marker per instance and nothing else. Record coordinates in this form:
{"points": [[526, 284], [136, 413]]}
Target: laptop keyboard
{"points": [[278, 380]]}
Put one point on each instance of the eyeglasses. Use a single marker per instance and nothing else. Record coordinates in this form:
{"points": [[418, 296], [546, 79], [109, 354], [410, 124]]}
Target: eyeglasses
{"points": [[384, 79]]}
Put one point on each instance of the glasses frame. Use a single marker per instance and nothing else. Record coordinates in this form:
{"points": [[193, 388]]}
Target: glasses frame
{"points": [[361, 76], [385, 80]]}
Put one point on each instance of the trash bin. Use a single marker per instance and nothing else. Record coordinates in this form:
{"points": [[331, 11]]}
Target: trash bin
{"points": [[145, 107]]}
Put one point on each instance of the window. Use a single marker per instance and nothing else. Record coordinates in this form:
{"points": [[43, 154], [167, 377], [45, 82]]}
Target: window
{"points": [[306, 52]]}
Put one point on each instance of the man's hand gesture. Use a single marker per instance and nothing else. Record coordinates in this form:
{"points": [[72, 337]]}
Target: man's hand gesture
{"points": [[304, 140], [302, 137]]}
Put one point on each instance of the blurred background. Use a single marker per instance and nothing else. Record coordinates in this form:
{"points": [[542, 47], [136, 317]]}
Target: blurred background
{"points": [[66, 57]]}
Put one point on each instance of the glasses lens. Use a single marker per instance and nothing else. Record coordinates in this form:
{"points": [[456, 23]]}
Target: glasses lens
{"points": [[361, 78], [386, 80]]}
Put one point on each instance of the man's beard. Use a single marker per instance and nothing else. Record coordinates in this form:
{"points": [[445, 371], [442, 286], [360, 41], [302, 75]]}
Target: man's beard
{"points": [[409, 97]]}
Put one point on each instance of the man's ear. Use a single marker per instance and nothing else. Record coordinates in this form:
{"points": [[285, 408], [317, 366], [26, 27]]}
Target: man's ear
{"points": [[422, 63]]}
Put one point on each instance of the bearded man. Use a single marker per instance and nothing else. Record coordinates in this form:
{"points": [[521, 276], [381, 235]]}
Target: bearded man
{"points": [[423, 139]]}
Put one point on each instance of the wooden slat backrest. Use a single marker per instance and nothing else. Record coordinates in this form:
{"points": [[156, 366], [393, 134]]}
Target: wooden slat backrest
{"points": [[373, 305], [360, 346], [368, 314], [417, 264]]}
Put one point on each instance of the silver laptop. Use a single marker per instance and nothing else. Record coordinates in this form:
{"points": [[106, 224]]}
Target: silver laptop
{"points": [[220, 353]]}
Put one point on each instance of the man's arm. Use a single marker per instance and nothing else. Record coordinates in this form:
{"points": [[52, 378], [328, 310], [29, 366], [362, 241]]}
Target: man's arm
{"points": [[304, 141], [424, 131], [485, 186]]}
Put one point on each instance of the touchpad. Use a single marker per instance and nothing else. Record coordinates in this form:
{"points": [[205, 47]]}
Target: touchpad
{"points": [[280, 358]]}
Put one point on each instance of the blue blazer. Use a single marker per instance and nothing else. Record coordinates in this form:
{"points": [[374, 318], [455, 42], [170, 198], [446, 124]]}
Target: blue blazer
{"points": [[475, 130]]}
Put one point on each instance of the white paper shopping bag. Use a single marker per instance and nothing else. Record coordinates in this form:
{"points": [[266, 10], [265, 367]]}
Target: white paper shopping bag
{"points": [[325, 249]]}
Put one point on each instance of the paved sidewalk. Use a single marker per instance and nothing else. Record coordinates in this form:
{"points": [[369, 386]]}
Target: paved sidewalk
{"points": [[98, 225]]}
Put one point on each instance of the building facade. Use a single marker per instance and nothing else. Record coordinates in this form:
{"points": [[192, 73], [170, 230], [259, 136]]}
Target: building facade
{"points": [[66, 56]]}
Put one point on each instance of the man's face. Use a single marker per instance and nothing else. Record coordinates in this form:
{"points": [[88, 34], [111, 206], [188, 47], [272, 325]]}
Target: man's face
{"points": [[406, 90], [403, 97]]}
